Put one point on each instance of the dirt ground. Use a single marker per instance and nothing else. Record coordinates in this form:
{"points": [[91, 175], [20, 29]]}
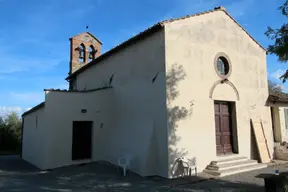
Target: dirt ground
{"points": [[18, 175]]}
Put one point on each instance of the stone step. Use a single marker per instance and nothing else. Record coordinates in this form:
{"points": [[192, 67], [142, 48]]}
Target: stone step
{"points": [[230, 165], [236, 170], [228, 160]]}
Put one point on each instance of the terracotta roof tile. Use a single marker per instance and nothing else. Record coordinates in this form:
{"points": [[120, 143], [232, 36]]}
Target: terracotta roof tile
{"points": [[275, 96], [78, 91]]}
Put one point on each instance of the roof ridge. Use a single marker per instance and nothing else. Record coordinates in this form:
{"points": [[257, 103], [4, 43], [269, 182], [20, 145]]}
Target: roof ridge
{"points": [[40, 105], [88, 34], [278, 96], [78, 91], [153, 29], [220, 8]]}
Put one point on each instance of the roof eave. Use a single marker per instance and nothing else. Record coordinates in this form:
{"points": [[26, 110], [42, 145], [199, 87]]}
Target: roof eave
{"points": [[89, 34], [221, 8], [78, 91], [153, 29], [126, 43], [39, 106], [247, 32], [279, 102]]}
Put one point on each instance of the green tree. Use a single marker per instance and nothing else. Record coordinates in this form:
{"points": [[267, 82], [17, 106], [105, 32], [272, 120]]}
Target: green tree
{"points": [[280, 38], [10, 133], [14, 123]]}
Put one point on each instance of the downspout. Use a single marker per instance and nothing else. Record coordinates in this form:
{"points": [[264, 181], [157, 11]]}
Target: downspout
{"points": [[22, 131]]}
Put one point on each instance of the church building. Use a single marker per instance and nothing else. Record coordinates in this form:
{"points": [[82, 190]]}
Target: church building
{"points": [[183, 87]]}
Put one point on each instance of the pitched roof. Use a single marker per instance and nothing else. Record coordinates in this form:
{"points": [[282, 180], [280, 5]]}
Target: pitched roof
{"points": [[34, 109], [221, 8], [276, 96], [158, 26], [78, 91], [88, 34]]}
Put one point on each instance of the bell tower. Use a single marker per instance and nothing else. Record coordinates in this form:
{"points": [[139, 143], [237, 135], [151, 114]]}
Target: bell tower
{"points": [[84, 48]]}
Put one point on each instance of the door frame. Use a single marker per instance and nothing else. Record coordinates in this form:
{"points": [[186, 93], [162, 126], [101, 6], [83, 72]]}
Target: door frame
{"points": [[233, 127], [91, 147]]}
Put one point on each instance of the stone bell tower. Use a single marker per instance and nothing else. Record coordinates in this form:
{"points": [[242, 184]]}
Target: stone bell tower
{"points": [[84, 48]]}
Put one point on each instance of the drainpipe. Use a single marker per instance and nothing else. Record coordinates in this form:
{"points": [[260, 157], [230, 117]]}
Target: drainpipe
{"points": [[22, 131]]}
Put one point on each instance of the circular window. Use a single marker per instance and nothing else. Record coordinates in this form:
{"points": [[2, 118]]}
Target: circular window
{"points": [[222, 65]]}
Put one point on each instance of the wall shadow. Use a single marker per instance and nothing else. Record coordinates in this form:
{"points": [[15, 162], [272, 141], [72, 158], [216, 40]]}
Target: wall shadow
{"points": [[254, 152], [103, 176], [13, 164], [175, 114]]}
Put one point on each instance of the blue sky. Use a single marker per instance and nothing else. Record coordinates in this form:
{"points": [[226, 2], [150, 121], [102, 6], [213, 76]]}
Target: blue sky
{"points": [[34, 36]]}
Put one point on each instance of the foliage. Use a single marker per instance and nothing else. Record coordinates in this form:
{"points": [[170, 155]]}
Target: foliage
{"points": [[286, 186], [280, 38], [10, 133]]}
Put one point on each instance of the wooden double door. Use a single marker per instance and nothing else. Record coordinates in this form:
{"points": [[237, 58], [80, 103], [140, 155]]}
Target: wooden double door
{"points": [[223, 125]]}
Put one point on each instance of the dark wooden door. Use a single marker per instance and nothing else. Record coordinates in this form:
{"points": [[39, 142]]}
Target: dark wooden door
{"points": [[223, 128], [82, 140]]}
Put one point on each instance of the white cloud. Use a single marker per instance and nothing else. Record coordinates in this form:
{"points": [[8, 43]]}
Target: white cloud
{"points": [[28, 97], [280, 86], [277, 74], [5, 110], [13, 65], [285, 89]]}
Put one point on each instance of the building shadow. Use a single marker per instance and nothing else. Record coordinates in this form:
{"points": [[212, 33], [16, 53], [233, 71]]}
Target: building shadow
{"points": [[103, 176], [175, 114], [14, 164], [197, 183]]}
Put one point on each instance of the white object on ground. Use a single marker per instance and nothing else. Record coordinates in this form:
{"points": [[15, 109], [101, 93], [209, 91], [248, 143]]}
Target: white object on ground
{"points": [[125, 162]]}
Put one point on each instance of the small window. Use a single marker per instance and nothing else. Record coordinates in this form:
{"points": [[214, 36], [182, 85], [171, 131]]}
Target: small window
{"points": [[286, 118], [222, 66]]}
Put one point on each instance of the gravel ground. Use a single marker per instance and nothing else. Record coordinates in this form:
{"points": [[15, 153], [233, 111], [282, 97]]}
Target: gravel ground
{"points": [[17, 175], [249, 177]]}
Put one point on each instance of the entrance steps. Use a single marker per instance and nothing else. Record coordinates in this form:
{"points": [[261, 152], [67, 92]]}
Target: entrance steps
{"points": [[232, 165]]}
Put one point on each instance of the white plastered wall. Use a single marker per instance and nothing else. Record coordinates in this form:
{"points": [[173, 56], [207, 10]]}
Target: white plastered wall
{"points": [[191, 47], [33, 137], [62, 108], [139, 106]]}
